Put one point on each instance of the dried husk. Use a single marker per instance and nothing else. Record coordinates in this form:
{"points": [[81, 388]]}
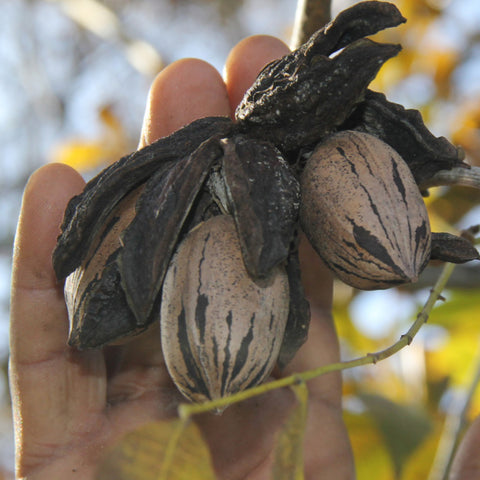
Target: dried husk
{"points": [[119, 259], [302, 97], [97, 307], [363, 212], [263, 197], [450, 248], [151, 238], [221, 330], [86, 213], [404, 130], [292, 111], [296, 330], [113, 292]]}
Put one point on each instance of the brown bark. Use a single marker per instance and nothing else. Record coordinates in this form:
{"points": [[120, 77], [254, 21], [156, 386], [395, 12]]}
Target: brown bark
{"points": [[309, 17]]}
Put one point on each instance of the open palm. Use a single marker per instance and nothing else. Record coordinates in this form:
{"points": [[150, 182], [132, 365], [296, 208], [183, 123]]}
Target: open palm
{"points": [[70, 406]]}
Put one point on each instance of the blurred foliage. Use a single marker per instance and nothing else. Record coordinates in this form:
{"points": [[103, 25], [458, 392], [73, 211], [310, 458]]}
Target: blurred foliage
{"points": [[288, 463], [438, 48], [175, 450], [85, 154], [141, 453], [396, 411], [437, 383]]}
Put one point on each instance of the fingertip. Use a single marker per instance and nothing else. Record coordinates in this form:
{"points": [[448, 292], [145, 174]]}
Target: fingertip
{"points": [[45, 197], [185, 91], [466, 463], [61, 176], [245, 62]]}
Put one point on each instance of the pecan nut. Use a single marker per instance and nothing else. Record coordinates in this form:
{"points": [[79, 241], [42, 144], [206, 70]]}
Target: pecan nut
{"points": [[363, 212], [221, 330]]}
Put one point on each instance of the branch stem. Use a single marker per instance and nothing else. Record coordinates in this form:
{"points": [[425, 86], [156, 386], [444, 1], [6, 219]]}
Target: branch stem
{"points": [[171, 447], [460, 176], [185, 411], [310, 16]]}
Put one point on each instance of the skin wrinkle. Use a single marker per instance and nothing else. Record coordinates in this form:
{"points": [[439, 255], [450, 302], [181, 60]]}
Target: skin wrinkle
{"points": [[77, 448], [260, 470], [145, 380], [253, 447], [56, 450]]}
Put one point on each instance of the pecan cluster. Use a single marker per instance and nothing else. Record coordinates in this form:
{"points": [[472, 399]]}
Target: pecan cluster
{"points": [[308, 136]]}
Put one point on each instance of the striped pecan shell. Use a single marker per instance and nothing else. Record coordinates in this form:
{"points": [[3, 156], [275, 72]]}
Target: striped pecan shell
{"points": [[221, 330], [363, 212]]}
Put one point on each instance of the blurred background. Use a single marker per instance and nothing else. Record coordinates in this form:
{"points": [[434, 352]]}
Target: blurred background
{"points": [[74, 78]]}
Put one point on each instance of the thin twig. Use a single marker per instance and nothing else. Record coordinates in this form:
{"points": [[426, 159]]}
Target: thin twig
{"points": [[453, 429], [465, 277], [171, 448], [187, 410], [461, 176], [310, 16]]}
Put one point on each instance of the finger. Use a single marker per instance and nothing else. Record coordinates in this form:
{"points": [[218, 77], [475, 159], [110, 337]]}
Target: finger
{"points": [[321, 347], [33, 279], [184, 91], [53, 388], [317, 279], [245, 62], [466, 465], [327, 448]]}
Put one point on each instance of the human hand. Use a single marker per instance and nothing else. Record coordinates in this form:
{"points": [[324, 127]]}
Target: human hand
{"points": [[70, 406], [466, 465]]}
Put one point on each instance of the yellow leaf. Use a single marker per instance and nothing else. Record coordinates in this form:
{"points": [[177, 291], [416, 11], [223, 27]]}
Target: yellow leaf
{"points": [[459, 312], [140, 454], [475, 405], [111, 123], [454, 359], [395, 70], [404, 426], [437, 217], [288, 463], [419, 464], [80, 154], [372, 459], [466, 129], [444, 63], [84, 154]]}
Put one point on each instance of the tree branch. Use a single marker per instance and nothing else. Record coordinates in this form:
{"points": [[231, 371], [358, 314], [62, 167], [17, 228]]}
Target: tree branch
{"points": [[310, 16], [465, 277], [461, 176], [185, 410]]}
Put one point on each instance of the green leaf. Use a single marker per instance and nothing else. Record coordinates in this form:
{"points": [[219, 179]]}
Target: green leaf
{"points": [[173, 450], [403, 427], [460, 311], [288, 462]]}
